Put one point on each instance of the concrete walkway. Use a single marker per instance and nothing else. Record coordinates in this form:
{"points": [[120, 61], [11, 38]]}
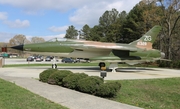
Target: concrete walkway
{"points": [[66, 97]]}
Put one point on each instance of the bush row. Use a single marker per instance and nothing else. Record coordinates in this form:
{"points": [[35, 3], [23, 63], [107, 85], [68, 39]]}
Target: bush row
{"points": [[81, 82], [169, 64]]}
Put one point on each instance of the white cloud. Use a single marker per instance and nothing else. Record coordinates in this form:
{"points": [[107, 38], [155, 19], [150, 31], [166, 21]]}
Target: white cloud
{"points": [[58, 29], [3, 16], [17, 23], [34, 5], [13, 24], [64, 5], [53, 36], [46, 38], [85, 15], [90, 13], [80, 12], [85, 11]]}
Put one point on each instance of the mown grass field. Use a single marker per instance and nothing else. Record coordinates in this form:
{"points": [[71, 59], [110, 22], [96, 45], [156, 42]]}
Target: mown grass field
{"points": [[150, 94], [15, 97]]}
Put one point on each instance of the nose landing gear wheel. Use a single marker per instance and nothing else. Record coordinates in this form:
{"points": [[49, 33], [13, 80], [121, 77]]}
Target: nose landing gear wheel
{"points": [[54, 66], [102, 65]]}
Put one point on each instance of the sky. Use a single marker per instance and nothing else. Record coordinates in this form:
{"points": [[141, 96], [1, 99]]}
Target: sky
{"points": [[51, 18]]}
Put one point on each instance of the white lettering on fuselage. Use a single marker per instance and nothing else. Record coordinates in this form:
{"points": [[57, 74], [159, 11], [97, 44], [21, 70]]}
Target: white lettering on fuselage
{"points": [[27, 49], [142, 43]]}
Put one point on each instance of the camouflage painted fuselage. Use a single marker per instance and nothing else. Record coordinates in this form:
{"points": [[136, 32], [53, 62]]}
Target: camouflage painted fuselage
{"points": [[93, 50], [135, 52]]}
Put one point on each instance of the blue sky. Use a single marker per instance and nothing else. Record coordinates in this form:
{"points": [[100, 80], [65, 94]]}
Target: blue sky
{"points": [[51, 18]]}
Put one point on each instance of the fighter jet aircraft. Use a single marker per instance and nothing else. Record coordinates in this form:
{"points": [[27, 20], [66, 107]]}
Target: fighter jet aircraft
{"points": [[138, 51]]}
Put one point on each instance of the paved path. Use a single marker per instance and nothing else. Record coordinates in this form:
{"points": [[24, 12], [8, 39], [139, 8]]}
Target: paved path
{"points": [[122, 74], [66, 97]]}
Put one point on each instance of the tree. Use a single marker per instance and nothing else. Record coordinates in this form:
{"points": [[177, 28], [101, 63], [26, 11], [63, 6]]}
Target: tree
{"points": [[122, 17], [18, 40], [37, 40], [169, 22], [86, 31], [105, 22], [71, 32], [134, 26], [151, 15], [94, 34], [117, 27]]}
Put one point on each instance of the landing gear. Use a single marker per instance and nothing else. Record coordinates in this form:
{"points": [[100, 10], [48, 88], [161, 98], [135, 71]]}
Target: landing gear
{"points": [[102, 66], [113, 66], [54, 65]]}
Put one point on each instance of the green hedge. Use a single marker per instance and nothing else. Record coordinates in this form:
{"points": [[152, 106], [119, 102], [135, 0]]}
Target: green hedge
{"points": [[89, 84], [169, 64], [43, 76], [109, 89], [81, 82], [71, 80], [57, 77]]}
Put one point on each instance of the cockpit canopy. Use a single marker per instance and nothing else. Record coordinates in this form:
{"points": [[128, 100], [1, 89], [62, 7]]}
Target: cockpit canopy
{"points": [[57, 39]]}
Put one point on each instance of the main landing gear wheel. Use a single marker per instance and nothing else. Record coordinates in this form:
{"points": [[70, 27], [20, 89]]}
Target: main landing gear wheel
{"points": [[113, 66], [102, 65], [54, 66]]}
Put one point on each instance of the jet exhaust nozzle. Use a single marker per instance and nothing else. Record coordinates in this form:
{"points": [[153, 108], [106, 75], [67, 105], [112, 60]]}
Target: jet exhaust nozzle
{"points": [[18, 47]]}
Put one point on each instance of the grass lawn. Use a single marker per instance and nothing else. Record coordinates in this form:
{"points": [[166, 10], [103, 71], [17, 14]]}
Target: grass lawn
{"points": [[15, 97], [150, 94]]}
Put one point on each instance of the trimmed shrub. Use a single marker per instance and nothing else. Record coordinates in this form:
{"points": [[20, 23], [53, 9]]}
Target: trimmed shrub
{"points": [[169, 64], [178, 64], [161, 64], [166, 64], [89, 84], [57, 77], [71, 80], [108, 89], [45, 74], [174, 64]]}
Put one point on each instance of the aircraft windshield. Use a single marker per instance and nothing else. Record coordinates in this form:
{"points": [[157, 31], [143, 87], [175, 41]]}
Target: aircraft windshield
{"points": [[57, 39]]}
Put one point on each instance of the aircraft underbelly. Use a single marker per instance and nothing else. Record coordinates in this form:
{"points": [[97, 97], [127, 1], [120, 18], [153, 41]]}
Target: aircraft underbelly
{"points": [[49, 53], [74, 54], [87, 54]]}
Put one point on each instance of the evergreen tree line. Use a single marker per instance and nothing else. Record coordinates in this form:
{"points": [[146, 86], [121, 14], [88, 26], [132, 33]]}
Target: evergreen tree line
{"points": [[123, 27]]}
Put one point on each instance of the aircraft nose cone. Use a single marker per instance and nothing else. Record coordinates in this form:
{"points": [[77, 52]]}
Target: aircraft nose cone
{"points": [[162, 55], [18, 47]]}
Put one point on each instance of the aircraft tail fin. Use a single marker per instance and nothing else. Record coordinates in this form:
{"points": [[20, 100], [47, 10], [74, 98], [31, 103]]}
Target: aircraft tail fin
{"points": [[147, 39]]}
